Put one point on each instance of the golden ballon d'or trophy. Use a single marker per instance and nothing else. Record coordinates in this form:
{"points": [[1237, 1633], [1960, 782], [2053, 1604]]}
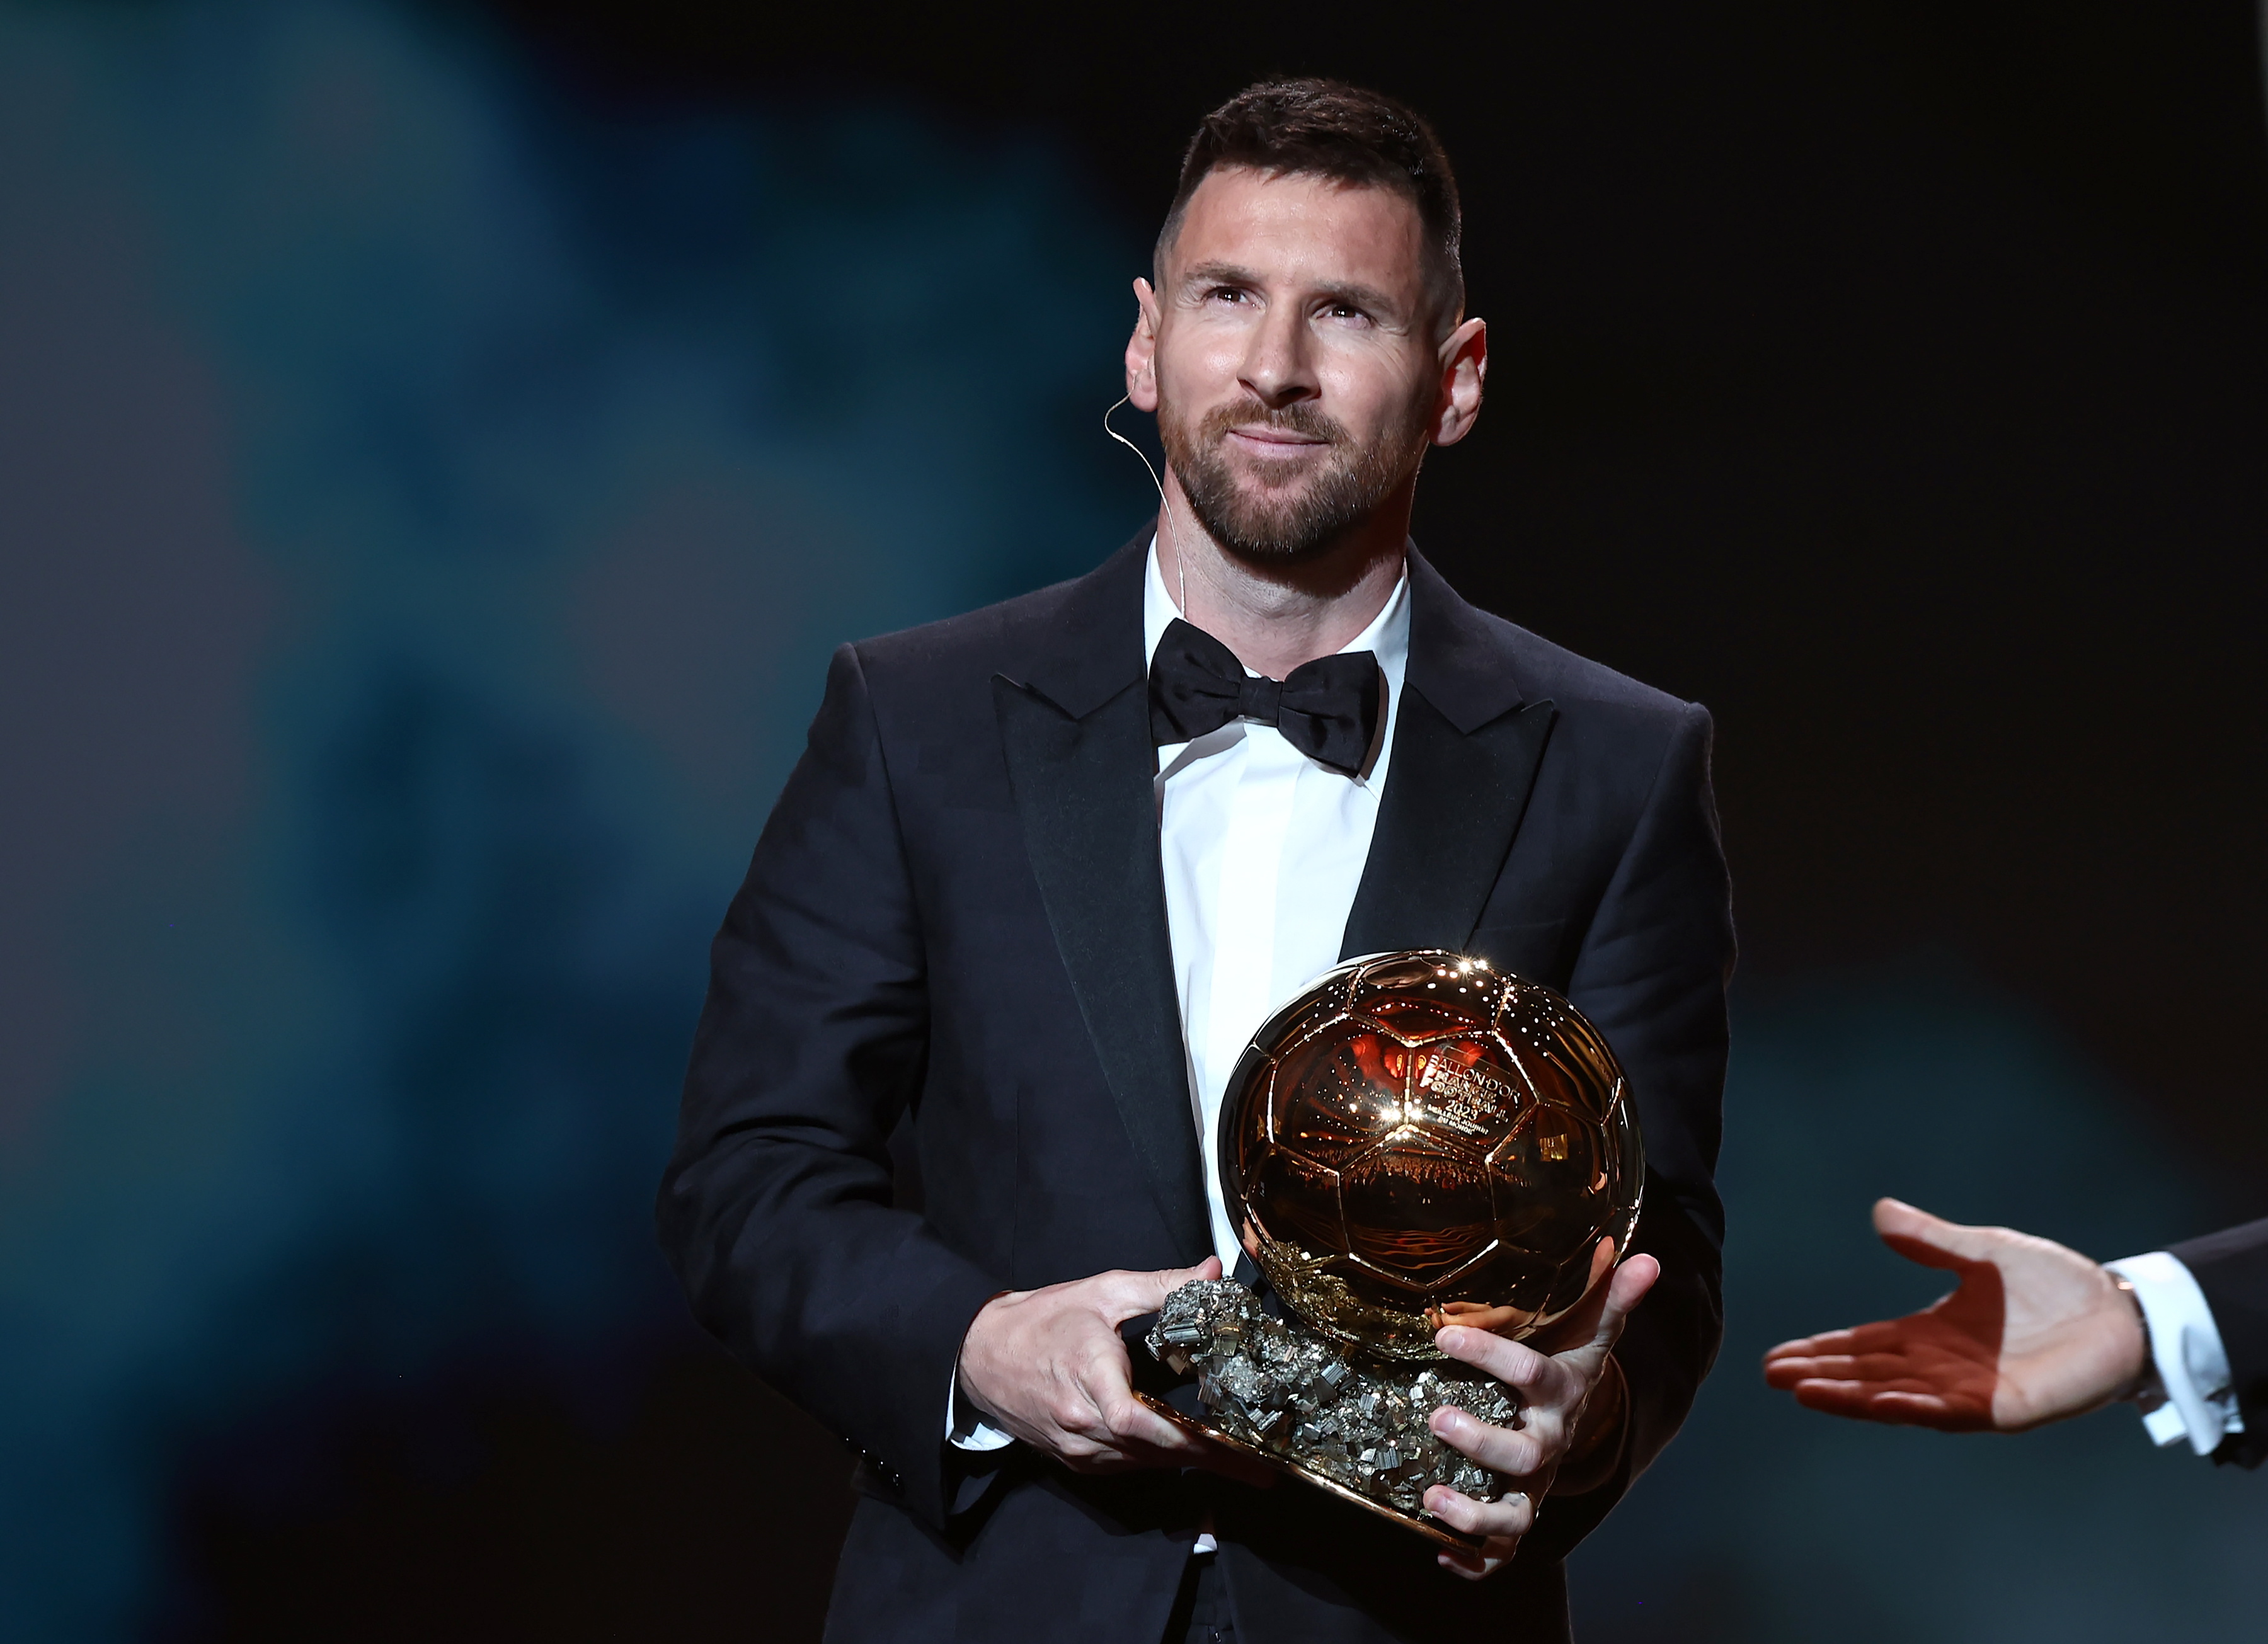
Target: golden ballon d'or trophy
{"points": [[1416, 1140]]}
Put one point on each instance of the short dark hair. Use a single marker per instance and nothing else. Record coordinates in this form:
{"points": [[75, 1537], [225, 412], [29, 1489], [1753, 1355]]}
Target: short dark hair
{"points": [[1328, 128]]}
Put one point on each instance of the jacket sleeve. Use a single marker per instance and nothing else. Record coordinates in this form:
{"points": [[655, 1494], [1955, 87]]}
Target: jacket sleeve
{"points": [[2232, 1269], [1650, 974], [777, 1207]]}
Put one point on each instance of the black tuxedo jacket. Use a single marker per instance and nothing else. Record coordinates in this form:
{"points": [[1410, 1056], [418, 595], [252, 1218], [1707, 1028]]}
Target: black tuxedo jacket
{"points": [[2232, 1269], [957, 912]]}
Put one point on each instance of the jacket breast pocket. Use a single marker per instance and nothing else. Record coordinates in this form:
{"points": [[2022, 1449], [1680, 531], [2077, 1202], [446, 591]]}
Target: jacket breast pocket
{"points": [[1533, 950]]}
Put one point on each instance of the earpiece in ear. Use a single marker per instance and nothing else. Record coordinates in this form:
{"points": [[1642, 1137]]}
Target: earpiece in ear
{"points": [[1137, 450]]}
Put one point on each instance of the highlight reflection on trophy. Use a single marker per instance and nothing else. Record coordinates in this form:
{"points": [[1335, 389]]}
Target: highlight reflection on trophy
{"points": [[1415, 1141]]}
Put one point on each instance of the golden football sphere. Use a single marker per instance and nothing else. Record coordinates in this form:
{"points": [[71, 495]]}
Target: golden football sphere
{"points": [[1417, 1140]]}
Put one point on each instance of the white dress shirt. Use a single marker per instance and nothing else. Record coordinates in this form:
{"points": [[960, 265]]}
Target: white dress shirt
{"points": [[1262, 849], [2193, 1398]]}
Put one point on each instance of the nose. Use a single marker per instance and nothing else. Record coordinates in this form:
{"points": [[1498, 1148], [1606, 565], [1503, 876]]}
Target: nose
{"points": [[1277, 366]]}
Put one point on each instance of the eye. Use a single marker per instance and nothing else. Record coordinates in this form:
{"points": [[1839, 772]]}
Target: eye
{"points": [[1345, 313], [1228, 294]]}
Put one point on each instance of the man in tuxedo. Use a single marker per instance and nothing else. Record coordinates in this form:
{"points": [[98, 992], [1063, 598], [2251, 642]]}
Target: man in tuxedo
{"points": [[2035, 1333], [1044, 869]]}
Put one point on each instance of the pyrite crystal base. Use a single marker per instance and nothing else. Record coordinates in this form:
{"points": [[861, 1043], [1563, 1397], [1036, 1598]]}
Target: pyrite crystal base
{"points": [[1278, 1389]]}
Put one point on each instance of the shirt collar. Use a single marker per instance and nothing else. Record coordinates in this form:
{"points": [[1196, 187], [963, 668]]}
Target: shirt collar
{"points": [[1388, 636]]}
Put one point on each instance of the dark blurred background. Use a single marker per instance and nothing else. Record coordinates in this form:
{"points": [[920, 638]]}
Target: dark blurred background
{"points": [[439, 443]]}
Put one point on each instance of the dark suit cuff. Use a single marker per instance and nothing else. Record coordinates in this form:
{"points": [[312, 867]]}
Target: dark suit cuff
{"points": [[969, 1477], [894, 1412], [2231, 1270]]}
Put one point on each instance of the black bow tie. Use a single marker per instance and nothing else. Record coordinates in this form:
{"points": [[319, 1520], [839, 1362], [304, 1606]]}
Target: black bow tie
{"points": [[1328, 709]]}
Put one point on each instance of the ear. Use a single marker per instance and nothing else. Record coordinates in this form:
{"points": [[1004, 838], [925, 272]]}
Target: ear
{"points": [[1142, 350], [1463, 360]]}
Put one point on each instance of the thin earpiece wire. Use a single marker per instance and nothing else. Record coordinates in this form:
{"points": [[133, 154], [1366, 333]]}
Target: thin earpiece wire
{"points": [[1165, 510]]}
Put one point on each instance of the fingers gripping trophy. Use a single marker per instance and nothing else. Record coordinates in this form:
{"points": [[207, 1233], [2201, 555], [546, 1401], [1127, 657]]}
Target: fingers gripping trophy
{"points": [[1415, 1141]]}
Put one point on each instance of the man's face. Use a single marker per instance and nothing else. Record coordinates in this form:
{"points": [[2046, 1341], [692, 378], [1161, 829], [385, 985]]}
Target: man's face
{"points": [[1298, 375]]}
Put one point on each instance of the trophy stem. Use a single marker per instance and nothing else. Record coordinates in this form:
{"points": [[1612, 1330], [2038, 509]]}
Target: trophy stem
{"points": [[1425, 1523], [1274, 1388]]}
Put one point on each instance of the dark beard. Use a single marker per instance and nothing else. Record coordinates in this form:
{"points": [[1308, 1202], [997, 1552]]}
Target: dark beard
{"points": [[1287, 524]]}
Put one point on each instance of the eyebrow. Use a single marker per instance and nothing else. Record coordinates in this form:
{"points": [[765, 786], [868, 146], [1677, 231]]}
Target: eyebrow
{"points": [[1353, 293]]}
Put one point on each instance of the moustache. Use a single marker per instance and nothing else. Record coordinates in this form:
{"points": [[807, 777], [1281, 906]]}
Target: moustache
{"points": [[1299, 418]]}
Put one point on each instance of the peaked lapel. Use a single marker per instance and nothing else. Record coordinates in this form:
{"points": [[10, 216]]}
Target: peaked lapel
{"points": [[1466, 748], [1075, 732]]}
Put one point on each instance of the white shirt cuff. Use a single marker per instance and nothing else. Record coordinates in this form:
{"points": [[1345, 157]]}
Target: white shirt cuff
{"points": [[2185, 1349], [975, 1435]]}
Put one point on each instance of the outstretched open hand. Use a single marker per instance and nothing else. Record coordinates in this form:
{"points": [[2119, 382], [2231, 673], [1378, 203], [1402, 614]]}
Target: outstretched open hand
{"points": [[2034, 1332]]}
